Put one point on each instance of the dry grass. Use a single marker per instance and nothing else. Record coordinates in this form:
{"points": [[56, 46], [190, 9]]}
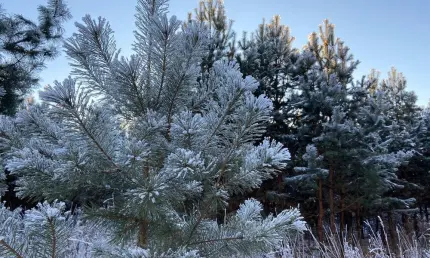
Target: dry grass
{"points": [[347, 246]]}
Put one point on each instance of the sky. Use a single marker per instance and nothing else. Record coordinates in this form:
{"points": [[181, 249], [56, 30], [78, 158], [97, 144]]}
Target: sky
{"points": [[380, 33]]}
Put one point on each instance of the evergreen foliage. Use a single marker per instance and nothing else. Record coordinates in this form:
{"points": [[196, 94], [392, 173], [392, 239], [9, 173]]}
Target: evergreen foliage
{"points": [[25, 46], [365, 130], [196, 144], [152, 153], [44, 231]]}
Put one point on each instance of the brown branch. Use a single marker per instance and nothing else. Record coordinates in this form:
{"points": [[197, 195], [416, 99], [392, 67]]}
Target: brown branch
{"points": [[203, 213], [11, 249], [172, 102], [163, 75], [217, 240], [54, 237], [118, 217], [142, 237], [194, 228], [228, 110], [94, 140], [138, 95]]}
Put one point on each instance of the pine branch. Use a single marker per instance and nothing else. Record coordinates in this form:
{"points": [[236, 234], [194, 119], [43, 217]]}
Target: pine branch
{"points": [[138, 95], [171, 104], [82, 124], [227, 111], [217, 240], [163, 72], [11, 249], [54, 237], [176, 90]]}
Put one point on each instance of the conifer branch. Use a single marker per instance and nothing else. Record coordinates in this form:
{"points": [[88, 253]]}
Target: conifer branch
{"points": [[54, 237], [11, 249], [216, 240], [93, 139]]}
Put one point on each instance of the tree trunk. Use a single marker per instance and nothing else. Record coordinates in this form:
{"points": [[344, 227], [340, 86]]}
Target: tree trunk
{"points": [[342, 222], [421, 211], [426, 212], [416, 227], [320, 211], [142, 238], [358, 224], [392, 232], [342, 211], [331, 201], [406, 222]]}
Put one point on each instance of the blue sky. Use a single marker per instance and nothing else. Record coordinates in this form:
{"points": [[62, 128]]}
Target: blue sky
{"points": [[380, 33]]}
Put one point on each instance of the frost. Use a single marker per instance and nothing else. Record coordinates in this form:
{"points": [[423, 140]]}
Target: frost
{"points": [[147, 144]]}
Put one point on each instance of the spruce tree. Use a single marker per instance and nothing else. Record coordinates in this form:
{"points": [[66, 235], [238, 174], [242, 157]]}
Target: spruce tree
{"points": [[152, 154]]}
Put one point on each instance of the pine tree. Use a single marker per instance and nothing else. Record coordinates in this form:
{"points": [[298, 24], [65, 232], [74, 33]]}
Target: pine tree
{"points": [[407, 122], [331, 53], [44, 231], [25, 46], [310, 178], [221, 37], [322, 73], [404, 102], [338, 144], [304, 86], [151, 153], [326, 108], [416, 171], [269, 57], [397, 117]]}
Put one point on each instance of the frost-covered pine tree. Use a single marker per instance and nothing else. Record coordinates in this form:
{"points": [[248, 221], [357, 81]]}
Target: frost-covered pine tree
{"points": [[418, 166], [220, 44], [338, 144], [310, 179], [25, 47], [268, 56], [378, 133], [403, 101], [40, 232], [151, 154]]}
